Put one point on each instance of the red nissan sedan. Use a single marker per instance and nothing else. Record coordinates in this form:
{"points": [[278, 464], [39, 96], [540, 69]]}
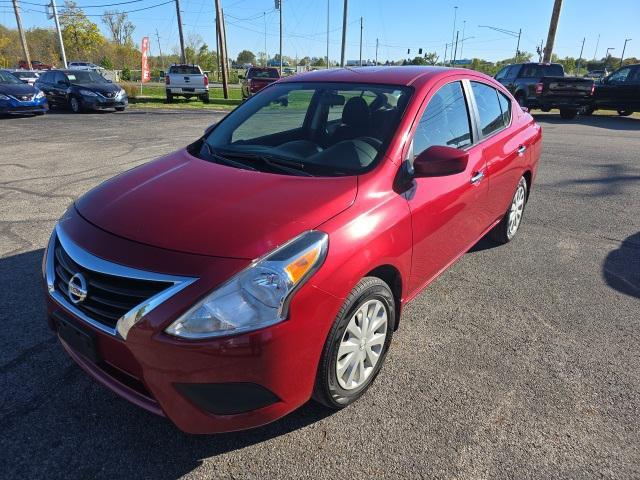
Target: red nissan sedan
{"points": [[267, 263]]}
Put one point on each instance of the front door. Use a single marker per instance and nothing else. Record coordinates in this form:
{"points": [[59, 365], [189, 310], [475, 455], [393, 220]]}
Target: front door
{"points": [[448, 213], [616, 90]]}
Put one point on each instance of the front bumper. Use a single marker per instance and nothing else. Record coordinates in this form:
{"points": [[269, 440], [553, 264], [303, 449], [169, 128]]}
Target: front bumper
{"points": [[208, 386], [101, 103], [13, 106]]}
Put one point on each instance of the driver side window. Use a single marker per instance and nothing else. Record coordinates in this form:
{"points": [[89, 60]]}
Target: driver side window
{"points": [[620, 76], [445, 121]]}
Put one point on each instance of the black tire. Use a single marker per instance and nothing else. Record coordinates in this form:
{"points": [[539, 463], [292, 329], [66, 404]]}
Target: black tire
{"points": [[625, 113], [205, 98], [327, 390], [74, 105], [568, 113], [522, 101], [169, 97], [501, 232], [120, 109]]}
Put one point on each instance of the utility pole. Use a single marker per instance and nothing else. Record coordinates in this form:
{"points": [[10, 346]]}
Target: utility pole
{"points": [[580, 57], [328, 3], [376, 52], [182, 57], [223, 49], [160, 49], [218, 74], [266, 57], [278, 6], [464, 25], [455, 52], [361, 27], [23, 39], [446, 47], [223, 27], [595, 52], [623, 49], [54, 11], [344, 32], [553, 26], [518, 47], [453, 32]]}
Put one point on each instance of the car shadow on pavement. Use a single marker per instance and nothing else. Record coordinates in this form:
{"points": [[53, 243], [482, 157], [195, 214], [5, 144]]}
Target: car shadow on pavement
{"points": [[58, 423], [610, 122], [613, 180], [621, 268]]}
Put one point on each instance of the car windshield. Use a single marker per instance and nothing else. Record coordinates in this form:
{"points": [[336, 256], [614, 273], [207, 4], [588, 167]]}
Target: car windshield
{"points": [[8, 78], [323, 129], [263, 73], [83, 77]]}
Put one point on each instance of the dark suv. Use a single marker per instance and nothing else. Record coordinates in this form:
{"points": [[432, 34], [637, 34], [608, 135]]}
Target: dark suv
{"points": [[619, 91], [544, 86]]}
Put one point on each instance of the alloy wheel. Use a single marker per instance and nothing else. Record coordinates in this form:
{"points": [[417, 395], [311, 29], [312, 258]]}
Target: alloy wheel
{"points": [[75, 105], [515, 212], [362, 344]]}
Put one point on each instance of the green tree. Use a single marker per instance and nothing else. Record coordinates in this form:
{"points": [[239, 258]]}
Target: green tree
{"points": [[431, 58], [246, 56], [81, 36], [318, 62], [119, 26]]}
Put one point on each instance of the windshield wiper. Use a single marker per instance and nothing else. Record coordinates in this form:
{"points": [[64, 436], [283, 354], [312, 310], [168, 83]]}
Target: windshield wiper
{"points": [[226, 161], [291, 166]]}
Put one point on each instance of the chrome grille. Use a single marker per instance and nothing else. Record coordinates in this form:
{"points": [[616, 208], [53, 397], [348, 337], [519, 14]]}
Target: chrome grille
{"points": [[109, 297]]}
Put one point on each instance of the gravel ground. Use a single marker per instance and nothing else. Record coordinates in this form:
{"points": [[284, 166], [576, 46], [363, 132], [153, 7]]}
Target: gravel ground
{"points": [[521, 361]]}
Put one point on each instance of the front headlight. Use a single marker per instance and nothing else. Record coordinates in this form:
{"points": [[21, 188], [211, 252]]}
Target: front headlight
{"points": [[40, 94], [259, 295], [88, 93]]}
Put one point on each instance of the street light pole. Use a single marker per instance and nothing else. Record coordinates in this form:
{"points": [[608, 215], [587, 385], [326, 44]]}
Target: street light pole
{"points": [[606, 57], [344, 31], [361, 27], [623, 49], [328, 3], [580, 57], [63, 55]]}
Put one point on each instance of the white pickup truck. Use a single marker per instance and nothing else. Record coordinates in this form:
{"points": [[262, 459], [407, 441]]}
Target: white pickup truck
{"points": [[186, 81]]}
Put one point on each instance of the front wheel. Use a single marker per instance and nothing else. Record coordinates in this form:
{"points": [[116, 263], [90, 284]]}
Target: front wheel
{"points": [[625, 113], [506, 230], [120, 109], [74, 104], [568, 113], [357, 344]]}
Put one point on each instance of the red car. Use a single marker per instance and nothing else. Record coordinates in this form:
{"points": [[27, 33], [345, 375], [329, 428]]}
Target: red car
{"points": [[268, 263], [35, 65], [256, 79]]}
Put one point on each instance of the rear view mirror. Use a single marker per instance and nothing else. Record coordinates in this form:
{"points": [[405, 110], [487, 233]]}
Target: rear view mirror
{"points": [[440, 161]]}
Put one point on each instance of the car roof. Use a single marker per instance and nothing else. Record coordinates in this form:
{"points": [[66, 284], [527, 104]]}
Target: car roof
{"points": [[390, 75]]}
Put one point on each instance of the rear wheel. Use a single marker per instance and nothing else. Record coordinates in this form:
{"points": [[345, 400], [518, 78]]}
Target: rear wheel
{"points": [[357, 344], [506, 230], [625, 113], [169, 97], [205, 98], [522, 101], [568, 113]]}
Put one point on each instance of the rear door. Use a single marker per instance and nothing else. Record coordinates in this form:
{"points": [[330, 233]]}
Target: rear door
{"points": [[503, 145], [448, 213]]}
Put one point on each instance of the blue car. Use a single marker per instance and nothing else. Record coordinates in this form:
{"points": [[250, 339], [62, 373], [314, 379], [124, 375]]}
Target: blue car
{"points": [[20, 98]]}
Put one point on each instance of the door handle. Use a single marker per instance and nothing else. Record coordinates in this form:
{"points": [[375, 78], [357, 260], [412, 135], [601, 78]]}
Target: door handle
{"points": [[477, 177], [521, 150]]}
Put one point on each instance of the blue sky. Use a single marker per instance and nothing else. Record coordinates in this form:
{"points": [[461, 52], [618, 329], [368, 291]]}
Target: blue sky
{"points": [[398, 24]]}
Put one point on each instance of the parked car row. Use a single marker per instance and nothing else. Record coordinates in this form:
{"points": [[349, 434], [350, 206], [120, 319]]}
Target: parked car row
{"points": [[545, 86], [77, 90]]}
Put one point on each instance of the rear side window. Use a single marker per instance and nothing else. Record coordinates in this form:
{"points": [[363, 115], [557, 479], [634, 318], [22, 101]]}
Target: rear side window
{"points": [[445, 121], [534, 70], [491, 118], [505, 106], [620, 76]]}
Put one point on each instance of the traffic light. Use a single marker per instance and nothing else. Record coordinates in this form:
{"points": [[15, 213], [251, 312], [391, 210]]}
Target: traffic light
{"points": [[408, 51], [420, 51]]}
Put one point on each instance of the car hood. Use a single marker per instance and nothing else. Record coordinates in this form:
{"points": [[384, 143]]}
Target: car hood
{"points": [[186, 204], [98, 87], [17, 89]]}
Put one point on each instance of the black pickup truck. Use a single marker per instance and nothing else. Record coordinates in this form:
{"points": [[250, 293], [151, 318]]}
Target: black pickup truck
{"points": [[544, 86]]}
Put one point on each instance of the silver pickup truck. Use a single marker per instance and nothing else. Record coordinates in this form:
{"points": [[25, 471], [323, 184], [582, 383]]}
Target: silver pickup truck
{"points": [[186, 81]]}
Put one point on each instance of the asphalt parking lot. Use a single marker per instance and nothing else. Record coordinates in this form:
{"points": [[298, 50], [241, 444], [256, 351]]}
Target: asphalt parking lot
{"points": [[521, 361]]}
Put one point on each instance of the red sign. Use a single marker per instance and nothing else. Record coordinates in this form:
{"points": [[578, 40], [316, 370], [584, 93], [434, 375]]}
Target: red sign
{"points": [[146, 73]]}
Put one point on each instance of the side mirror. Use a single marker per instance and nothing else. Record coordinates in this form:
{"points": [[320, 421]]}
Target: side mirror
{"points": [[440, 161], [207, 130]]}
